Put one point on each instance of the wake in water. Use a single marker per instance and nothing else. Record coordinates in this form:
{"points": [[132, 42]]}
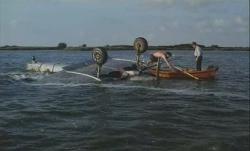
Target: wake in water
{"points": [[23, 76], [147, 86]]}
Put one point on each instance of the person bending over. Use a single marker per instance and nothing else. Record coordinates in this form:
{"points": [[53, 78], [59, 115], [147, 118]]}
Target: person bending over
{"points": [[161, 55]]}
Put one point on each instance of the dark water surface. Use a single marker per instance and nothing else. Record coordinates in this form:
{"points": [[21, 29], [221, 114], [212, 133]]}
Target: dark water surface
{"points": [[42, 113]]}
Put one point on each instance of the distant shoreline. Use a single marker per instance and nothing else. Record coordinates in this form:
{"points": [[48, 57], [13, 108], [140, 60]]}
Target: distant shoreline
{"points": [[125, 47]]}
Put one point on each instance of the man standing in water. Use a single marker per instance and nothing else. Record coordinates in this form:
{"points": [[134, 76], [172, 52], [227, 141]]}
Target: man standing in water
{"points": [[198, 55]]}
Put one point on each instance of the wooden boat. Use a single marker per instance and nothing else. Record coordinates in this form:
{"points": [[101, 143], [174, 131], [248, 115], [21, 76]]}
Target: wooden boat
{"points": [[209, 73]]}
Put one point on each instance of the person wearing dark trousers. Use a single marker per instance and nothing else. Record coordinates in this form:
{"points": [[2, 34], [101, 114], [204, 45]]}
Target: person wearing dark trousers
{"points": [[198, 55]]}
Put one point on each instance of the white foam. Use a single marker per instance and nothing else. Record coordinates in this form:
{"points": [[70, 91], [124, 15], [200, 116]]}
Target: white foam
{"points": [[45, 67], [22, 76], [62, 84]]}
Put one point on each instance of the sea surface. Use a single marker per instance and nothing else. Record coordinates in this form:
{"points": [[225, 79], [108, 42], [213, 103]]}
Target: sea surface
{"points": [[54, 112]]}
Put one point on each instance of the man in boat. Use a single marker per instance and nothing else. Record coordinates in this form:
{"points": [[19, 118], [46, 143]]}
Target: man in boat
{"points": [[161, 55], [198, 55]]}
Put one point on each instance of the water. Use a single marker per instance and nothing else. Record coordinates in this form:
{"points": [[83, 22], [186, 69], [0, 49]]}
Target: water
{"points": [[66, 112]]}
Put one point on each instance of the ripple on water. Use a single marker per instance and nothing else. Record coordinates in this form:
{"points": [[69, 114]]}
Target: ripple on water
{"points": [[66, 112]]}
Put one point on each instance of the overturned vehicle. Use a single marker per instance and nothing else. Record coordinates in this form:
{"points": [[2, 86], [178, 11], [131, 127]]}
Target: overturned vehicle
{"points": [[102, 67]]}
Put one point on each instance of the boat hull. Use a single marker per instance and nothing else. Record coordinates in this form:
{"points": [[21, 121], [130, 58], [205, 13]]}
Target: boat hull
{"points": [[167, 74]]}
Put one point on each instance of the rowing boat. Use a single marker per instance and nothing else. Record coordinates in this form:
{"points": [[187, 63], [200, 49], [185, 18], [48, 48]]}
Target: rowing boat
{"points": [[209, 73]]}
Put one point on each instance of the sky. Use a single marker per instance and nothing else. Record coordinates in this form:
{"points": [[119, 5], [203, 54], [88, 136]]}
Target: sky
{"points": [[115, 22]]}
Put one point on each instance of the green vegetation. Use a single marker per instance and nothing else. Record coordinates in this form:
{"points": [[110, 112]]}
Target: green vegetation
{"points": [[84, 47], [62, 45]]}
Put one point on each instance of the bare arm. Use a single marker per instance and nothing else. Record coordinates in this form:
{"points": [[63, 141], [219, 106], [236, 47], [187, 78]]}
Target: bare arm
{"points": [[168, 63]]}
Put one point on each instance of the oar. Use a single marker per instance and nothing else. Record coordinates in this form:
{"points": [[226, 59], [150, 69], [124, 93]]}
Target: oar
{"points": [[87, 75], [183, 71]]}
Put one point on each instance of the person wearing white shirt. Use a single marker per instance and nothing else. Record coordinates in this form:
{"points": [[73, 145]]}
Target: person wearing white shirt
{"points": [[198, 55]]}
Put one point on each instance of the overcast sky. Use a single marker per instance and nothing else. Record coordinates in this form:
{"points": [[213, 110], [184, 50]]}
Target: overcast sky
{"points": [[102, 22]]}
